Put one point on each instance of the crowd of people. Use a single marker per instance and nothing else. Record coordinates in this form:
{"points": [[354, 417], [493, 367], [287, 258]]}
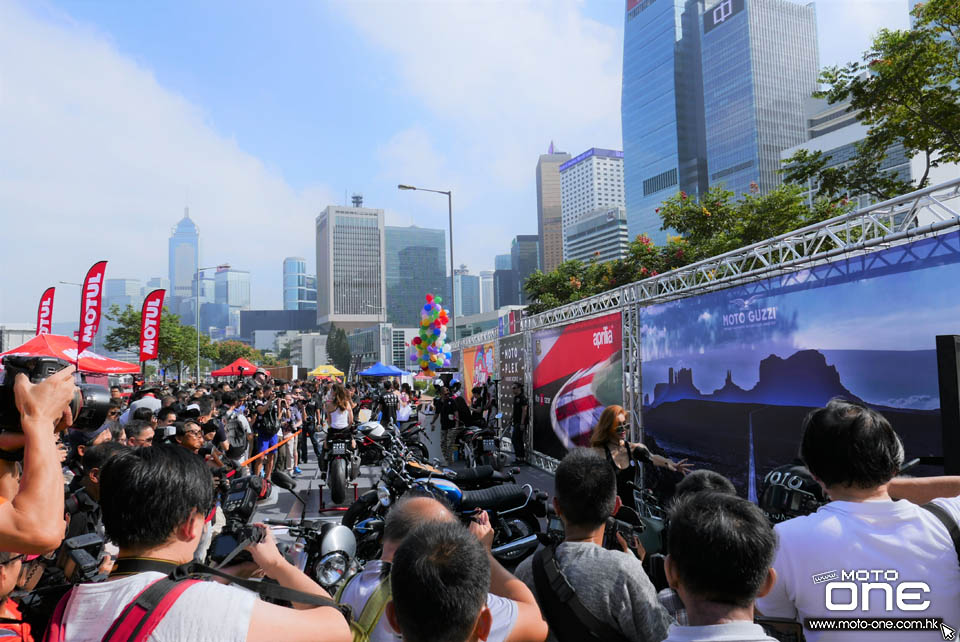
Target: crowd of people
{"points": [[142, 482]]}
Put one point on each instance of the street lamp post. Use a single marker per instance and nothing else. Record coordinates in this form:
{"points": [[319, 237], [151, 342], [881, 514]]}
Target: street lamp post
{"points": [[197, 299], [449, 195]]}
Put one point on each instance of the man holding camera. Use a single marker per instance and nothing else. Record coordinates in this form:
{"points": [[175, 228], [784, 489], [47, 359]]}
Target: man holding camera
{"points": [[154, 501], [611, 586], [32, 520]]}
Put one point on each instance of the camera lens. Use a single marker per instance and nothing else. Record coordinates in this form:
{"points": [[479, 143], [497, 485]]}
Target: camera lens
{"points": [[90, 406]]}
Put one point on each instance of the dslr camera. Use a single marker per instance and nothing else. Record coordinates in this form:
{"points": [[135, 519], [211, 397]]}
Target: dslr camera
{"points": [[90, 401], [238, 500]]}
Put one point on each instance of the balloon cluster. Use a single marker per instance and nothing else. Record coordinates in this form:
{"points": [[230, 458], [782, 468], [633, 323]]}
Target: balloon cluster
{"points": [[432, 351]]}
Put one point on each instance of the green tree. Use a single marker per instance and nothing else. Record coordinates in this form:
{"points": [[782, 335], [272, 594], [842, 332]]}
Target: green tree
{"points": [[229, 351], [905, 90], [338, 348], [177, 343], [712, 225]]}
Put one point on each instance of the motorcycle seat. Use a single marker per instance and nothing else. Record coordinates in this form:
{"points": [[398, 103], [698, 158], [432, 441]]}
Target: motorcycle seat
{"points": [[495, 498], [481, 473]]}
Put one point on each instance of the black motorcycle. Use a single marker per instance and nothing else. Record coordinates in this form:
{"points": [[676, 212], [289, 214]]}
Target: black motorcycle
{"points": [[514, 511], [342, 463], [325, 551]]}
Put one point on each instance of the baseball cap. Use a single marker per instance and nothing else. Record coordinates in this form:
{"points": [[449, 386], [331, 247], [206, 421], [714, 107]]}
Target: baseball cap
{"points": [[84, 437]]}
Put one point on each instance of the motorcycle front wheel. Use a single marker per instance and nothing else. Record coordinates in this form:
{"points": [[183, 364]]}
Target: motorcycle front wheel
{"points": [[338, 480]]}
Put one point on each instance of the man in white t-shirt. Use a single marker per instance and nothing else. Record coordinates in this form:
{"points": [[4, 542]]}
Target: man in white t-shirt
{"points": [[514, 614], [154, 501], [863, 555]]}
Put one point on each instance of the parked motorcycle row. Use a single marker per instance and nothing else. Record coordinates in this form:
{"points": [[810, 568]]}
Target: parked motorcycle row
{"points": [[329, 552]]}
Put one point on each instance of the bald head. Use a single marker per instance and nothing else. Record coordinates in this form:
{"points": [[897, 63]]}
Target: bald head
{"points": [[406, 515]]}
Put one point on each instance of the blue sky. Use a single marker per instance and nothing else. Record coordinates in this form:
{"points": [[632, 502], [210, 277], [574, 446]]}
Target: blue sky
{"points": [[115, 115]]}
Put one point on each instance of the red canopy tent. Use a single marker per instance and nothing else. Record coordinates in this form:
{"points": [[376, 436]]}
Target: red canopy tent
{"points": [[239, 367], [55, 345]]}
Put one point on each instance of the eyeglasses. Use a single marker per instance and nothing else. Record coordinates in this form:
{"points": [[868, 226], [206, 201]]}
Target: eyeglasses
{"points": [[113, 413], [194, 433], [13, 559]]}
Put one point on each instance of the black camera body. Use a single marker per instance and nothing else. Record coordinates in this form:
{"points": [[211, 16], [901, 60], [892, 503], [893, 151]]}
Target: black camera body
{"points": [[238, 501], [89, 405]]}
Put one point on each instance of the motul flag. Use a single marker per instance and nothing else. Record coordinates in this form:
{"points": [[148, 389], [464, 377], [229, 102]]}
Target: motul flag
{"points": [[150, 325], [90, 306], [45, 312]]}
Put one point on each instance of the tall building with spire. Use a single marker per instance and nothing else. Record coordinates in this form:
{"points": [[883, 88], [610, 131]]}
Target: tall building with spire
{"points": [[184, 259], [549, 214]]}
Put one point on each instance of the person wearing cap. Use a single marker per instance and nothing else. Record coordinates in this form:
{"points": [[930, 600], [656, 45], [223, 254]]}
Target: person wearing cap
{"points": [[148, 399]]}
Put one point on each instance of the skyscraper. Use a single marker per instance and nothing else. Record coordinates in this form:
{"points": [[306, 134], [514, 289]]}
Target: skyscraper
{"points": [[600, 235], [760, 65], [157, 283], [523, 258], [121, 293], [592, 180], [549, 220], [416, 264], [184, 258], [350, 266], [233, 290], [505, 290], [502, 262], [486, 291], [661, 109], [467, 292], [299, 288]]}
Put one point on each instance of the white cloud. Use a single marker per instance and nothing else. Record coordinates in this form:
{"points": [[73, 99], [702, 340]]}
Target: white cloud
{"points": [[97, 162], [506, 76]]}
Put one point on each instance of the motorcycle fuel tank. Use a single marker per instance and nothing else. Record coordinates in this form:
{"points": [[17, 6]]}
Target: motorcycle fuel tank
{"points": [[449, 490]]}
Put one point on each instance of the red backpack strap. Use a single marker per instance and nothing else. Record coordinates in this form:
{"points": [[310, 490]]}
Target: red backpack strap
{"points": [[141, 616], [54, 632]]}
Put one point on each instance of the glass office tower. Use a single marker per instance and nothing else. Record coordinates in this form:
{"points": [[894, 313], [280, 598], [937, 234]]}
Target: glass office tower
{"points": [[760, 65], [416, 265], [661, 109]]}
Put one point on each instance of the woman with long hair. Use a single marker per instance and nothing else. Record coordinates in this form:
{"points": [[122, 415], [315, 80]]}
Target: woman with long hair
{"points": [[339, 408], [610, 437]]}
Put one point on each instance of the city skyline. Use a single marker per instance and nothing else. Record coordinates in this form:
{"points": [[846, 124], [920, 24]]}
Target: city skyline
{"points": [[245, 162]]}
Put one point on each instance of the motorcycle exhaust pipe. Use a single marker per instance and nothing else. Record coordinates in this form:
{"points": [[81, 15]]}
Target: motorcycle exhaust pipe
{"points": [[516, 545]]}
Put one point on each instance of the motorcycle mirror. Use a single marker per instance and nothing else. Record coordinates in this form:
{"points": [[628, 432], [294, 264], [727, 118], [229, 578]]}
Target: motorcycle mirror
{"points": [[283, 480]]}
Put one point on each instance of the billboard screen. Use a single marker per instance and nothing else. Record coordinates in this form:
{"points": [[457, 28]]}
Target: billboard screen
{"points": [[479, 365], [728, 376], [511, 370], [577, 373]]}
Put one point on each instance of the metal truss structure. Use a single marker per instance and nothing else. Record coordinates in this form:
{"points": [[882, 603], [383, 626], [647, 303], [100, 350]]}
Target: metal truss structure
{"points": [[906, 218], [899, 220]]}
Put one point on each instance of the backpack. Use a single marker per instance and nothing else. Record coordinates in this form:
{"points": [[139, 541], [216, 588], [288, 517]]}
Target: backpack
{"points": [[236, 436], [362, 628]]}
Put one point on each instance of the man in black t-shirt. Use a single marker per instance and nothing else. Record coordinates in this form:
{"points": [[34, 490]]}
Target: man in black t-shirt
{"points": [[520, 408], [445, 410], [388, 404]]}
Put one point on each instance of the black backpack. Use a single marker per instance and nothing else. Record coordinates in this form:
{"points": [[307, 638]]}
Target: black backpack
{"points": [[236, 436]]}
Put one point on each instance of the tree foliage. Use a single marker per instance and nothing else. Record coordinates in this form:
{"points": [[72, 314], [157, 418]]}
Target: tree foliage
{"points": [[338, 348], [712, 225], [229, 351], [177, 343], [905, 90]]}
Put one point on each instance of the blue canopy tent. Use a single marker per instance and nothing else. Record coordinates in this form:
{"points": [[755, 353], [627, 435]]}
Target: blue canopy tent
{"points": [[380, 370]]}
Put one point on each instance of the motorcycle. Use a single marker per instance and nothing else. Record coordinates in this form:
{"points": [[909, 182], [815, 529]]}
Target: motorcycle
{"points": [[514, 510], [376, 436], [480, 445], [325, 551], [342, 462]]}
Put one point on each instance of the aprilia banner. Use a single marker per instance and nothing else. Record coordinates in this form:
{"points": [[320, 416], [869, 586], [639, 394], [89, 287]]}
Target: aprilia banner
{"points": [[150, 325], [45, 312], [577, 372], [90, 306]]}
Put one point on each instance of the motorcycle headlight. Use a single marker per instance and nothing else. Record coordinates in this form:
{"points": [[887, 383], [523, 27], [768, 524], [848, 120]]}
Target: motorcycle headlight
{"points": [[383, 494], [330, 569]]}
